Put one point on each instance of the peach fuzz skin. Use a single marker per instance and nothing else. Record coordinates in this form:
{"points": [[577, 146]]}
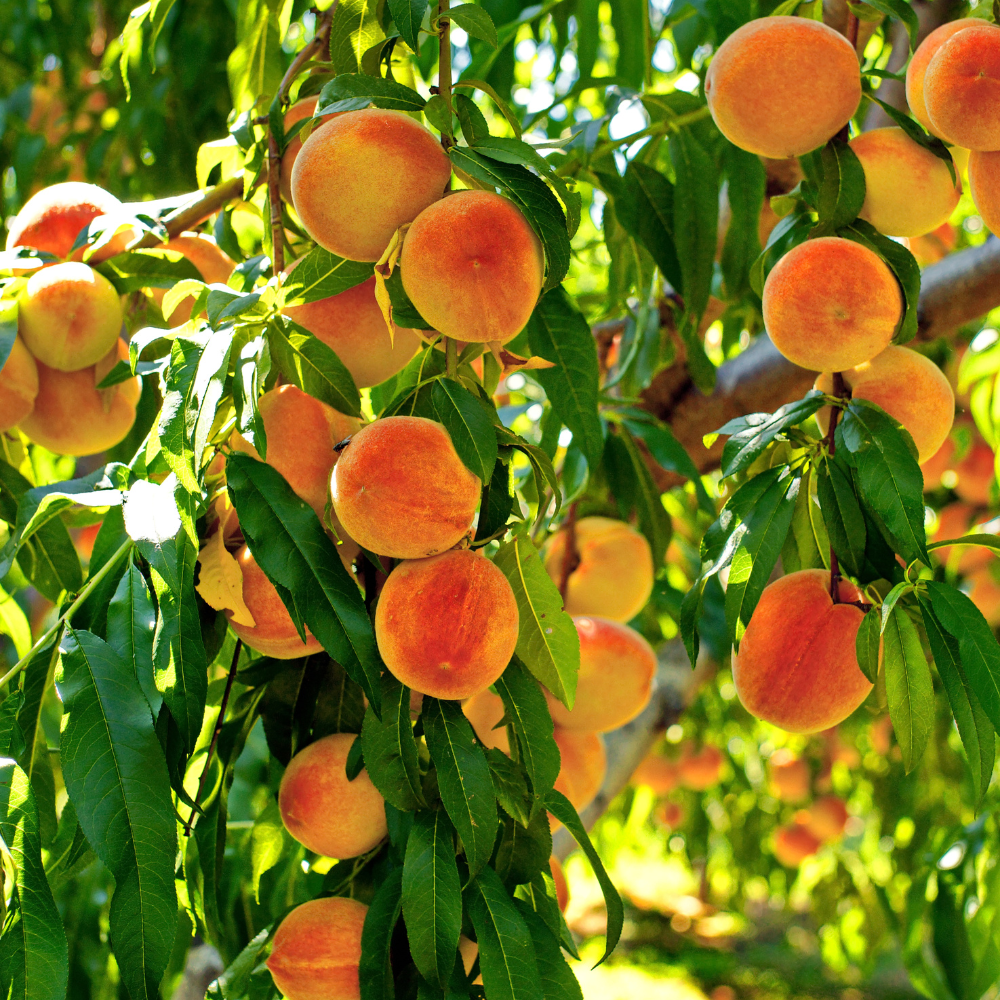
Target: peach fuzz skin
{"points": [[473, 267], [917, 68], [447, 626], [72, 416], [273, 632], [18, 386], [830, 304], [69, 316], [299, 110], [613, 686], [755, 91], [583, 766], [358, 178], [615, 576], [962, 88], [324, 811], [984, 185], [485, 710], [909, 387], [400, 489], [317, 949], [797, 667], [352, 326], [213, 264]]}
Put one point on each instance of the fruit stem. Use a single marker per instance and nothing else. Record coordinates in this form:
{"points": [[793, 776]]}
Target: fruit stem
{"points": [[444, 62], [450, 356], [274, 200], [571, 554], [215, 735], [839, 390]]}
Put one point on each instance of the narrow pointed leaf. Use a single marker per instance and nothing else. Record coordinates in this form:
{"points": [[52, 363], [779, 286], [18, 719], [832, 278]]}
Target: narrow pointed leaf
{"points": [[908, 686], [390, 750]]}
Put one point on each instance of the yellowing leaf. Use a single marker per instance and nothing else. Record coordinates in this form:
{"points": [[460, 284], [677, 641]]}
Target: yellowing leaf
{"points": [[383, 272], [511, 362], [220, 581]]}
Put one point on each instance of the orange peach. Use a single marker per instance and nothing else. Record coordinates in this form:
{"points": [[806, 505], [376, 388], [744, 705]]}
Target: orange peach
{"points": [[52, 219], [400, 489], [700, 769], [755, 85], [447, 626], [485, 710], [317, 950], [908, 190], [793, 844], [975, 473], [273, 632], [797, 667], [984, 185], [830, 304], [583, 766], [299, 110], [656, 772], [909, 387], [72, 416], [934, 246], [985, 594], [954, 521], [18, 386], [827, 818], [360, 177], [324, 811], [617, 667], [789, 776], [352, 326], [614, 577], [917, 69], [213, 264], [670, 815], [473, 267], [562, 887], [69, 316]]}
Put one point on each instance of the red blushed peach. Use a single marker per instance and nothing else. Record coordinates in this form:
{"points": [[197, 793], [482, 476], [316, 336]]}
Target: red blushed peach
{"points": [[69, 316], [830, 304], [789, 776], [352, 326], [324, 811], [473, 267], [447, 626], [562, 887], [317, 950], [400, 489], [213, 264], [18, 386], [583, 766], [797, 667], [917, 68], [909, 387], [358, 178], [827, 818], [656, 772], [755, 85], [793, 844], [984, 185], [700, 769], [273, 632], [485, 710], [52, 219], [299, 110], [617, 667]]}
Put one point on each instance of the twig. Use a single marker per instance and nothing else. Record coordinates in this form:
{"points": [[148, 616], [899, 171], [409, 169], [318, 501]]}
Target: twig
{"points": [[319, 42], [444, 63], [274, 200], [839, 390], [204, 204], [571, 554]]}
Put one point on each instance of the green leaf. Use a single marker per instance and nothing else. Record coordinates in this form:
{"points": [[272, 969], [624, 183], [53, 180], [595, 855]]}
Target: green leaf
{"points": [[547, 641], [541, 465], [255, 65], [842, 192], [408, 15], [235, 981], [374, 970], [432, 895], [669, 454], [467, 420], [807, 544], [320, 274], [131, 630], [267, 844], [554, 974], [497, 502], [475, 21], [153, 268], [747, 183], [915, 131], [463, 778], [908, 686], [645, 209], [902, 11], [510, 786], [14, 623], [868, 643], [630, 20], [34, 959], [842, 515], [523, 850], [116, 778], [390, 750], [354, 30], [354, 91]]}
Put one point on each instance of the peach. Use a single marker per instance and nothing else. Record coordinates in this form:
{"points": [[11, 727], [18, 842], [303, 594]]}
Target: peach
{"points": [[827, 818], [273, 632], [670, 815], [934, 246], [909, 387], [656, 772], [317, 950], [614, 577], [301, 434], [617, 667], [700, 769], [400, 489], [984, 185], [69, 316], [789, 776], [909, 190], [975, 473], [18, 386], [473, 267], [755, 92], [583, 766], [985, 594], [299, 110], [447, 626], [485, 710], [830, 304], [562, 887], [962, 88], [352, 326], [917, 68], [793, 844], [213, 264], [797, 667], [358, 178], [954, 521], [52, 219], [73, 417], [324, 811]]}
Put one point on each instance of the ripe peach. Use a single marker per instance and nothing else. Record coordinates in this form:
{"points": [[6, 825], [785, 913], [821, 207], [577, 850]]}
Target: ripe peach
{"points": [[583, 766], [273, 632], [909, 190], [880, 734], [754, 85], [18, 386], [960, 88], [954, 521], [614, 577], [790, 777], [700, 769], [830, 304], [985, 594], [656, 772], [670, 815], [322, 809], [52, 219], [975, 473], [352, 326], [69, 316], [984, 178], [793, 844], [473, 267], [827, 818], [484, 710], [909, 387], [797, 667], [934, 246], [317, 949], [447, 626], [917, 68], [73, 417], [617, 667], [562, 887], [213, 264], [299, 110], [358, 178], [400, 489]]}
